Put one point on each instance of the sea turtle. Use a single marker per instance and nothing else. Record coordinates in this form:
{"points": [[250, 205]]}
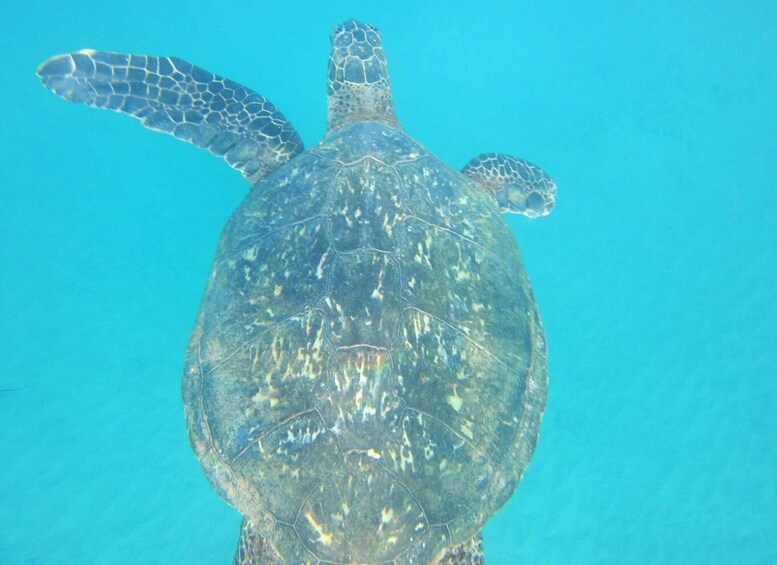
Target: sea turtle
{"points": [[367, 373]]}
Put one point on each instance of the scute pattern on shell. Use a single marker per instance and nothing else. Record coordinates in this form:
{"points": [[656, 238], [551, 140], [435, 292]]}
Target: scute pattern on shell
{"points": [[367, 374]]}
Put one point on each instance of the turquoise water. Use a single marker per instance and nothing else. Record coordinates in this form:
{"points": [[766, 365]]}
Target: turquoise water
{"points": [[655, 274]]}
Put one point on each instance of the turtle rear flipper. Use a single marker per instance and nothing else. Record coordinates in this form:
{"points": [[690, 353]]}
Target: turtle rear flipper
{"points": [[468, 553], [253, 549], [517, 186], [170, 95]]}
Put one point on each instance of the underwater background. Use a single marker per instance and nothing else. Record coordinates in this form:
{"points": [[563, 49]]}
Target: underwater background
{"points": [[655, 274]]}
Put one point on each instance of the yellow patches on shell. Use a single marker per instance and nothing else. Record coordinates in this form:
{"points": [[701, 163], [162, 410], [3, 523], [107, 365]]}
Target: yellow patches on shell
{"points": [[387, 226], [418, 256], [422, 251], [405, 454], [378, 292], [270, 396], [323, 537], [277, 348], [455, 400], [251, 253], [466, 429], [311, 357], [460, 274], [320, 267], [386, 515]]}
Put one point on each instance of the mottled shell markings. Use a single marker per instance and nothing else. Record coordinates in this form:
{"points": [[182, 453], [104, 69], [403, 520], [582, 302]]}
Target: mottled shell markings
{"points": [[371, 333]]}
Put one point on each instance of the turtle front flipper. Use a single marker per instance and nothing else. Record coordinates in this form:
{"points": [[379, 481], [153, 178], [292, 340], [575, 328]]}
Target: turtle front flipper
{"points": [[253, 549], [517, 186], [173, 96], [468, 553]]}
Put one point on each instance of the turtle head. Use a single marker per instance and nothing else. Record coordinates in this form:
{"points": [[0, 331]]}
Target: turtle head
{"points": [[359, 88], [517, 186]]}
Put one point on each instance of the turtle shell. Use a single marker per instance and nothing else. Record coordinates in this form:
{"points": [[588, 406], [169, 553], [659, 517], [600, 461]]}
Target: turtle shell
{"points": [[367, 374]]}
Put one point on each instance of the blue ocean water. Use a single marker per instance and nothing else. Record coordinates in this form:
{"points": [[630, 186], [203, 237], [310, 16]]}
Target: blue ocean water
{"points": [[655, 274]]}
